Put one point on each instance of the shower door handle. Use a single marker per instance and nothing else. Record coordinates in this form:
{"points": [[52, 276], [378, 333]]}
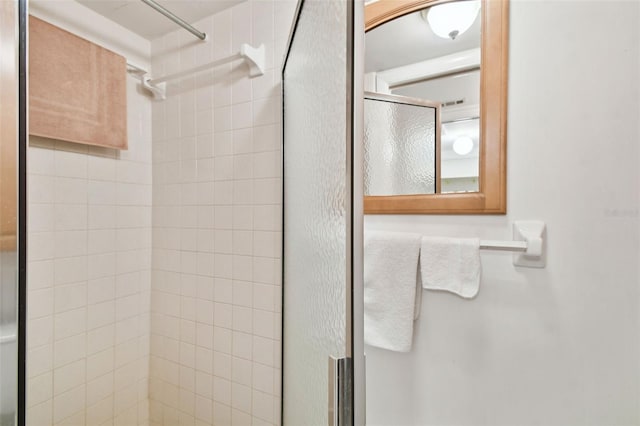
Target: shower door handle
{"points": [[340, 392]]}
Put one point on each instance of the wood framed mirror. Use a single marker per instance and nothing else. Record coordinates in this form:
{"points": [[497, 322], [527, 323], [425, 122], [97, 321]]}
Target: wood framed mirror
{"points": [[491, 64]]}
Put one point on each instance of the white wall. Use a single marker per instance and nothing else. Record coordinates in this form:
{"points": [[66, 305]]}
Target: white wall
{"points": [[215, 343], [553, 346], [89, 259]]}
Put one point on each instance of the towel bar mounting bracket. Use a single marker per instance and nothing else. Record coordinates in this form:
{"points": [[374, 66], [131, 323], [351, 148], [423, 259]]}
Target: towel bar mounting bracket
{"points": [[534, 233]]}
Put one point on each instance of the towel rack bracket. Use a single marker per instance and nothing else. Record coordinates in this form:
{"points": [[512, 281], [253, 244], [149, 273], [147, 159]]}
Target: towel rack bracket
{"points": [[533, 232], [255, 58], [158, 90]]}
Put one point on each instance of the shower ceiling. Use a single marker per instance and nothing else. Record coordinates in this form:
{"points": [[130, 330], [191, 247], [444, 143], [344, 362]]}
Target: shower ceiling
{"points": [[141, 19]]}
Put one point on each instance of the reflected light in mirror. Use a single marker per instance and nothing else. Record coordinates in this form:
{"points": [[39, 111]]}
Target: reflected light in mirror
{"points": [[449, 20], [463, 145]]}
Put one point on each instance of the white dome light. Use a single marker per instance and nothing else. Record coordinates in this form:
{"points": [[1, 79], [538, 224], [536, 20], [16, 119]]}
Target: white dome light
{"points": [[463, 145], [449, 20]]}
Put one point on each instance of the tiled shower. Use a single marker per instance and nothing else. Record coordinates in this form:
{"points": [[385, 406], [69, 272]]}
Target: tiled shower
{"points": [[215, 328], [154, 273], [89, 278]]}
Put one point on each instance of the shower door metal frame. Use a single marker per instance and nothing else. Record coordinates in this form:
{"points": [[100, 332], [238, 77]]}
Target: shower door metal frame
{"points": [[353, 413], [23, 122]]}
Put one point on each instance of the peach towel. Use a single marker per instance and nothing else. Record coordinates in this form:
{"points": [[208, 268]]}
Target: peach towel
{"points": [[77, 89]]}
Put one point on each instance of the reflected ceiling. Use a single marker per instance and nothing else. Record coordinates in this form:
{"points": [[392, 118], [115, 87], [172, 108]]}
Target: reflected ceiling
{"points": [[409, 39]]}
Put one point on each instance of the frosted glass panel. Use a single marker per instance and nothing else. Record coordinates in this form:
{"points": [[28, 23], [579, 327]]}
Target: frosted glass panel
{"points": [[316, 207], [399, 148]]}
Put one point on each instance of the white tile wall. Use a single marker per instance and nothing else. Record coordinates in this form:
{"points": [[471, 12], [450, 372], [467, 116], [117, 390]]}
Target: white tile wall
{"points": [[89, 278], [215, 301], [212, 299]]}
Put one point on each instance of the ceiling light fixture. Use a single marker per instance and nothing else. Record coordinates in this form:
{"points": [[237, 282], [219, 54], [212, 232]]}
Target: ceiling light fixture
{"points": [[463, 145], [449, 20]]}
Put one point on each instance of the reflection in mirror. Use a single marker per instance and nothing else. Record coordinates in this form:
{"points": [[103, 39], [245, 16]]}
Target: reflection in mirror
{"points": [[434, 55], [400, 140], [460, 155]]}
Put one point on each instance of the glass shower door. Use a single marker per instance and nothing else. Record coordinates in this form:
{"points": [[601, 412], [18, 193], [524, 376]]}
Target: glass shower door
{"points": [[323, 380]]}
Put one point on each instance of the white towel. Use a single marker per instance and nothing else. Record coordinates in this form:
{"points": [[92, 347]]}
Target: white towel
{"points": [[451, 264], [390, 281]]}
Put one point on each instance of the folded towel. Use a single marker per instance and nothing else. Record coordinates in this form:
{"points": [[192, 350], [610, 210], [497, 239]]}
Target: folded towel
{"points": [[390, 281], [451, 264]]}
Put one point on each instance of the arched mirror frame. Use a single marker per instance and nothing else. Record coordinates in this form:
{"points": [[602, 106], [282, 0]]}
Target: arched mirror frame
{"points": [[492, 196]]}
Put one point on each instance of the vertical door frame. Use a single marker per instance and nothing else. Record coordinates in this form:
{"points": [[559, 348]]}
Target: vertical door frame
{"points": [[22, 208], [356, 54]]}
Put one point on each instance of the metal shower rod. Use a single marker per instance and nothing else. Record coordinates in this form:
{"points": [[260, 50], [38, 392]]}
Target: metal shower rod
{"points": [[184, 24]]}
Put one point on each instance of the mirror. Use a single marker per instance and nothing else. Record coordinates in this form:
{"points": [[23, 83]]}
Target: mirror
{"points": [[451, 56]]}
